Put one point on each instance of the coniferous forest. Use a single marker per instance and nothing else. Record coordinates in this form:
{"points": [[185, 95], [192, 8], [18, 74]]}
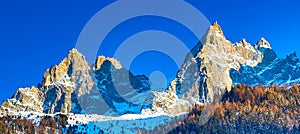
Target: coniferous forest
{"points": [[245, 109]]}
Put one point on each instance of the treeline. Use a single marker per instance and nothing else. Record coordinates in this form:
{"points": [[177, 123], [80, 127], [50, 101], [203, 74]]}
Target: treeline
{"points": [[11, 124], [245, 109]]}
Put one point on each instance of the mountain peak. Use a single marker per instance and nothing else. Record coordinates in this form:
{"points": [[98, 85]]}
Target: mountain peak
{"points": [[74, 53], [213, 32], [74, 50], [74, 60], [292, 58], [263, 43], [216, 23], [101, 59], [244, 41], [216, 28]]}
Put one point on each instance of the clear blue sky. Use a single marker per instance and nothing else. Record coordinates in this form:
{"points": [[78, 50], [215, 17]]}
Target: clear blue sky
{"points": [[36, 34]]}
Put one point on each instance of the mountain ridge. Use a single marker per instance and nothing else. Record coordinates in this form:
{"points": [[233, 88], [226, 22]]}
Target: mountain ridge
{"points": [[106, 88]]}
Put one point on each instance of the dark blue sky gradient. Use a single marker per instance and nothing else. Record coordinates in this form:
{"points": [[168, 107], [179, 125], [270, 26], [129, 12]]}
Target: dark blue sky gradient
{"points": [[35, 34]]}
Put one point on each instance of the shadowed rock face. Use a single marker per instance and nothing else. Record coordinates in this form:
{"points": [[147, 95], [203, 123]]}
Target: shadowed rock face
{"points": [[271, 70], [119, 87]]}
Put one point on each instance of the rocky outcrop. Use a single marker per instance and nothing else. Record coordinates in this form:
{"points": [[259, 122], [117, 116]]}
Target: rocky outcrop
{"points": [[262, 43], [113, 61], [25, 99], [58, 87]]}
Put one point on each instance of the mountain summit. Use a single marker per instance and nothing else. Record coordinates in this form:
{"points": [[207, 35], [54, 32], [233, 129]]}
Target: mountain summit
{"points": [[263, 43], [204, 77], [75, 87]]}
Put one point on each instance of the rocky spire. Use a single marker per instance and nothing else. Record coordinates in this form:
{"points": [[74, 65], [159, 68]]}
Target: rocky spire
{"points": [[262, 43], [216, 28], [113, 61], [246, 45], [205, 76], [74, 60]]}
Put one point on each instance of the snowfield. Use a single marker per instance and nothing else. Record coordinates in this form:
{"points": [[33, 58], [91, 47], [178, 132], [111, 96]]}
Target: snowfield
{"points": [[87, 123]]}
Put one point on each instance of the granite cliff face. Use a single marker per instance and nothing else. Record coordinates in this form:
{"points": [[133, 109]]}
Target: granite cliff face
{"points": [[75, 87], [25, 99], [58, 88], [204, 75], [215, 64]]}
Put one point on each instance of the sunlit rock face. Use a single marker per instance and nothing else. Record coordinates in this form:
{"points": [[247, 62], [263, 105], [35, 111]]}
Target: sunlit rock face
{"points": [[58, 88], [25, 99], [75, 87], [205, 72]]}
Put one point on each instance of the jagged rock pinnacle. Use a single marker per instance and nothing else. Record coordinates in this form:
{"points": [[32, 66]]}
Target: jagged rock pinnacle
{"points": [[74, 60], [205, 76], [244, 41], [214, 31], [216, 28], [74, 54], [113, 61], [263, 43]]}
